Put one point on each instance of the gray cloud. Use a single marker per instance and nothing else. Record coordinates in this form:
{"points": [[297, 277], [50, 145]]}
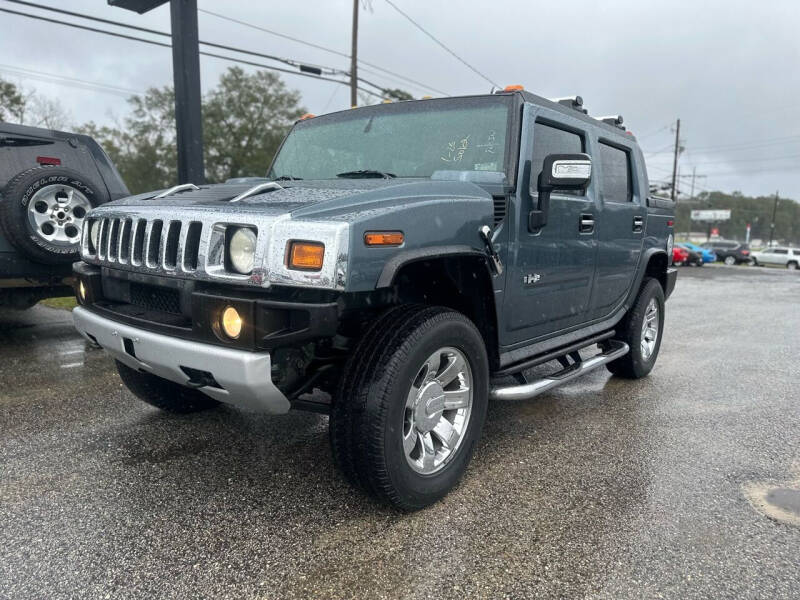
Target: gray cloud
{"points": [[728, 69]]}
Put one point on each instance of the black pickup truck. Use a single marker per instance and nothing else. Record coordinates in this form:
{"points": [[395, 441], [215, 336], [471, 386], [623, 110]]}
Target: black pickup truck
{"points": [[49, 180], [402, 265]]}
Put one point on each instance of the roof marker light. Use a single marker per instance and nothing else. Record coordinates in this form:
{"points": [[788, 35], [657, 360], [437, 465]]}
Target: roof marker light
{"points": [[514, 88]]}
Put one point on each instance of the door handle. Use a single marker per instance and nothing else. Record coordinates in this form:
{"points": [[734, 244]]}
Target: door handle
{"points": [[586, 223], [638, 224]]}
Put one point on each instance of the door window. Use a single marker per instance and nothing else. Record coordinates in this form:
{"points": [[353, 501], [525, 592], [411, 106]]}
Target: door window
{"points": [[781, 251], [551, 140], [616, 174]]}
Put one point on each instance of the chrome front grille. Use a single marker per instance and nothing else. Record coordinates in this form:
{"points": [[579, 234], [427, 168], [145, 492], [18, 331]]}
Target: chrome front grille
{"points": [[152, 244]]}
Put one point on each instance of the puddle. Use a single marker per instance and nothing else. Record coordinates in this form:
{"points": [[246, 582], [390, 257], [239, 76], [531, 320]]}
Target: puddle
{"points": [[780, 502]]}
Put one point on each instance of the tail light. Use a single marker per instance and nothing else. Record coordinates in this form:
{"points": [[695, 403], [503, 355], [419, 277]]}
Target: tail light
{"points": [[745, 252]]}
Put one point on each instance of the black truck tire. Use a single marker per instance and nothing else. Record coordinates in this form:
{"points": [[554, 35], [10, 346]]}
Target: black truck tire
{"points": [[163, 394], [641, 358], [42, 211], [387, 426]]}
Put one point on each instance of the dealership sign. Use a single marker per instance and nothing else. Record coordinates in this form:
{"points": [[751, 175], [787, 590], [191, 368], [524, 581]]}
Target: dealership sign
{"points": [[711, 215]]}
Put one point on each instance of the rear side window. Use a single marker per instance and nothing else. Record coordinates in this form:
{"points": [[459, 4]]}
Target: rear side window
{"points": [[781, 251], [551, 140], [616, 170]]}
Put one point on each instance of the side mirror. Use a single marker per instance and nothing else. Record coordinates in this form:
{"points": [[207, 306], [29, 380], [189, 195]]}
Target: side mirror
{"points": [[559, 172]]}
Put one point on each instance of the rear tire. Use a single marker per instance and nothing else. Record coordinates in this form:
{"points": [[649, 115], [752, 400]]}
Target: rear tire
{"points": [[414, 369], [730, 261], [163, 394], [644, 341]]}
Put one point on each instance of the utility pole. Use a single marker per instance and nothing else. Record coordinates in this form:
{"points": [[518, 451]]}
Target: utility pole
{"points": [[772, 225], [354, 58], [186, 74], [186, 77], [675, 161]]}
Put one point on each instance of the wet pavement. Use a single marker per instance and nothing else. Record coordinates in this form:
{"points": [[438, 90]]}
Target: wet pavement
{"points": [[602, 489]]}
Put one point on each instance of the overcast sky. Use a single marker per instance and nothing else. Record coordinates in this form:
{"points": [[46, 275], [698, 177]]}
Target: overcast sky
{"points": [[729, 69]]}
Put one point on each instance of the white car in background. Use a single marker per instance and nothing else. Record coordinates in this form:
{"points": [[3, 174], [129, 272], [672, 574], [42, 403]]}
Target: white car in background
{"points": [[784, 257]]}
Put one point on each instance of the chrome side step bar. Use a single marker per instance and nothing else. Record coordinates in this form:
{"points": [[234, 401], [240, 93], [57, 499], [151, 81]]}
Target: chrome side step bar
{"points": [[568, 373]]}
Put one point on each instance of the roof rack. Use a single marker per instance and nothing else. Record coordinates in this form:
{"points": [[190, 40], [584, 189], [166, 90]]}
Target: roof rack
{"points": [[615, 120], [574, 102]]}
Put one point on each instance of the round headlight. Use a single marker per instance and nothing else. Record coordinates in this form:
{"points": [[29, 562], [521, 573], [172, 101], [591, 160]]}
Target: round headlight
{"points": [[242, 250], [94, 234], [231, 322]]}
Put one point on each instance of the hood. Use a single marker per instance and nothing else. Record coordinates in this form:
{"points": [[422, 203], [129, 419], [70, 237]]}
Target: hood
{"points": [[305, 198]]}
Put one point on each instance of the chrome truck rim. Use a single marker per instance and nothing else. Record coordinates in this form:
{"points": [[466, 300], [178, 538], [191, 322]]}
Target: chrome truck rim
{"points": [[56, 214], [437, 410], [650, 329]]}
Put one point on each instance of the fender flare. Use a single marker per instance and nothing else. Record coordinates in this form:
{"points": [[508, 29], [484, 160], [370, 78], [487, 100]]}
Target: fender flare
{"points": [[406, 257]]}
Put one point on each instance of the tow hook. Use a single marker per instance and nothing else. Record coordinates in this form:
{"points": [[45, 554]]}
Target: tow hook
{"points": [[486, 236]]}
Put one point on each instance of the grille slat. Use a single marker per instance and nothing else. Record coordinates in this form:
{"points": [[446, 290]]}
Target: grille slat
{"points": [[153, 244], [171, 243], [191, 246], [123, 249]]}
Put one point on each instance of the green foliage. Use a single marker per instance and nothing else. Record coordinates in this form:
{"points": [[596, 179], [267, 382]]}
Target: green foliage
{"points": [[12, 102], [744, 209], [244, 120], [397, 94]]}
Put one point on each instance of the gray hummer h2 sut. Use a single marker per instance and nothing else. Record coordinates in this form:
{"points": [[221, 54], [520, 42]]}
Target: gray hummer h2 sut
{"points": [[402, 265]]}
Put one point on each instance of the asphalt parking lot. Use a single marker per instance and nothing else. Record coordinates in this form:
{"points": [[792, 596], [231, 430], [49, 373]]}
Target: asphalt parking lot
{"points": [[602, 489]]}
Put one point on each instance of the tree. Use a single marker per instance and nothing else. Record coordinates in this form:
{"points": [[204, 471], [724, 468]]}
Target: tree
{"points": [[244, 120], [397, 94], [26, 107]]}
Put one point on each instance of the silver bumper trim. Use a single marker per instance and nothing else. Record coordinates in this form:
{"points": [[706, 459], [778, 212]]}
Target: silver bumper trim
{"points": [[244, 376]]}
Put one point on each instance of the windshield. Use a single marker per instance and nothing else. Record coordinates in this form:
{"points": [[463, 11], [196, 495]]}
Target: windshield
{"points": [[409, 139]]}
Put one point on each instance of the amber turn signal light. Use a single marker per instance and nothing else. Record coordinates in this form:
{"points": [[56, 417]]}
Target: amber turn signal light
{"points": [[384, 238], [514, 88], [306, 256]]}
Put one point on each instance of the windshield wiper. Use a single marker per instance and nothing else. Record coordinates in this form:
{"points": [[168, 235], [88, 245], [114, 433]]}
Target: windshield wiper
{"points": [[366, 174], [287, 178]]}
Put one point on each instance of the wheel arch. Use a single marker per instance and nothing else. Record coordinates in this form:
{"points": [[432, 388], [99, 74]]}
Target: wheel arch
{"points": [[458, 277]]}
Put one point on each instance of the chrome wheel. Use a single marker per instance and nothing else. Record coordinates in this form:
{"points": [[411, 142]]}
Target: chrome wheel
{"points": [[650, 329], [56, 214], [437, 410]]}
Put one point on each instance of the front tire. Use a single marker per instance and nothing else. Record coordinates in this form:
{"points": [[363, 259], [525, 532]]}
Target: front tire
{"points": [[163, 394], [410, 405], [641, 329], [792, 266]]}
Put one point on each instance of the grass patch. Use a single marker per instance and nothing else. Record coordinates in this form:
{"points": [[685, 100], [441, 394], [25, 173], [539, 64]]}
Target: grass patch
{"points": [[67, 303]]}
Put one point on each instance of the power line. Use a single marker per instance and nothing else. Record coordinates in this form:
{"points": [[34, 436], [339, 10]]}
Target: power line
{"points": [[69, 81], [421, 85], [749, 144], [70, 13], [164, 45], [430, 35]]}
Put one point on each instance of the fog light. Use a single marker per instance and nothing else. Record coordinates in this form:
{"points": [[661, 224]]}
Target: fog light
{"points": [[81, 292], [231, 322]]}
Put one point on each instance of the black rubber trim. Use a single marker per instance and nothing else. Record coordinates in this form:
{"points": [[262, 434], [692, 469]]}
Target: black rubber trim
{"points": [[394, 264], [672, 278]]}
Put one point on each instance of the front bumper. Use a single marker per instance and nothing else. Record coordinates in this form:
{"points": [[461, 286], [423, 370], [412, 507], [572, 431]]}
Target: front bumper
{"points": [[232, 376]]}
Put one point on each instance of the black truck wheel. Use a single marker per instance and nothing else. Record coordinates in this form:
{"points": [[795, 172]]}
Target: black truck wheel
{"points": [[42, 212], [641, 329], [410, 405], [163, 394]]}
